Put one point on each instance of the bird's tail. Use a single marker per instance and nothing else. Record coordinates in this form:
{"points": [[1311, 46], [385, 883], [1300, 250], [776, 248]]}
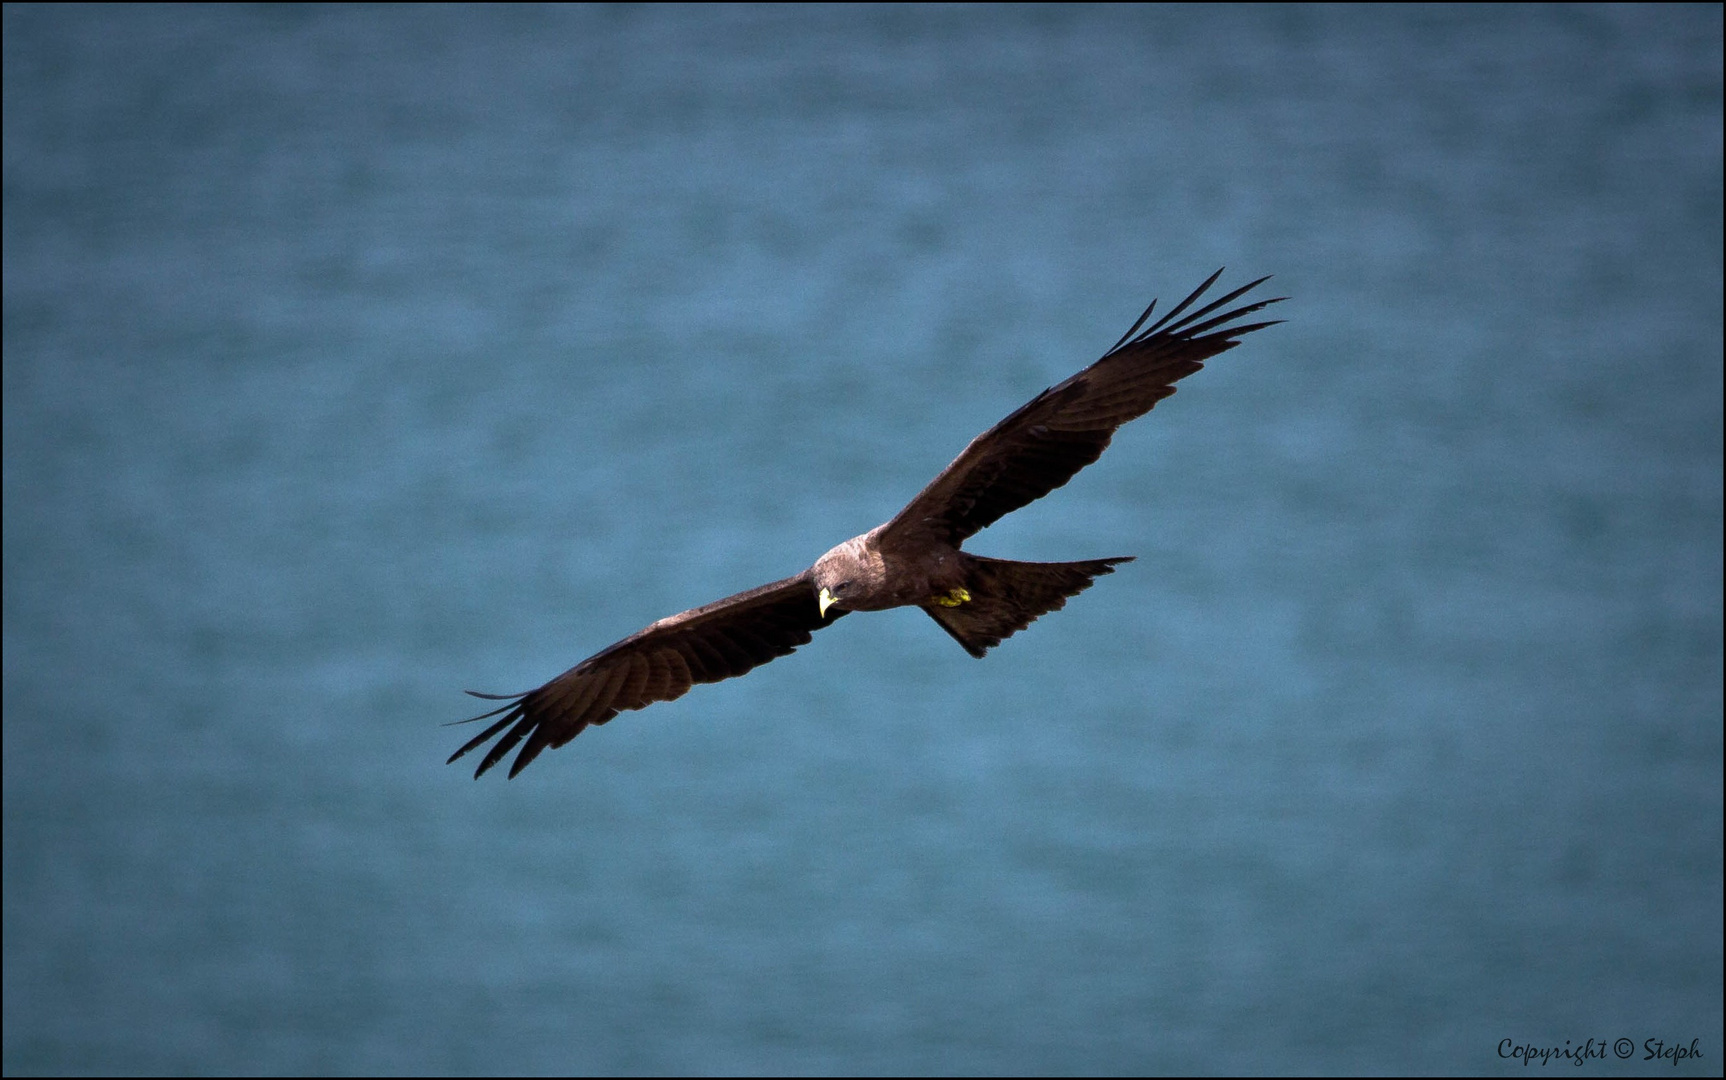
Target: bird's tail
{"points": [[1002, 597]]}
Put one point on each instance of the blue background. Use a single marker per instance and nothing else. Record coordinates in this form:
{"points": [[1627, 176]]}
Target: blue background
{"points": [[356, 356]]}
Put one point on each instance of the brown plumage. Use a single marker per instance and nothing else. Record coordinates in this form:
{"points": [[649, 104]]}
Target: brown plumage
{"points": [[914, 559]]}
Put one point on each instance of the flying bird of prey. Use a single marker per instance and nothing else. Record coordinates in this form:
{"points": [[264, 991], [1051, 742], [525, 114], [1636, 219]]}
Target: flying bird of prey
{"points": [[914, 559]]}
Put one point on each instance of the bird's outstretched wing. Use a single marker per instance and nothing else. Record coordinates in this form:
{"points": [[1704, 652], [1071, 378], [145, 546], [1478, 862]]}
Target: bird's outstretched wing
{"points": [[1066, 427], [706, 644]]}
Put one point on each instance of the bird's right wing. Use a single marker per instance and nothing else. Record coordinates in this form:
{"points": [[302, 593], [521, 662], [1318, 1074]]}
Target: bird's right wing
{"points": [[706, 644], [1066, 427]]}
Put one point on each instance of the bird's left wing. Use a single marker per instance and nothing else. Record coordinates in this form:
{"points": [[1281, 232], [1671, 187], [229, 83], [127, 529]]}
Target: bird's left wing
{"points": [[706, 644], [1066, 427]]}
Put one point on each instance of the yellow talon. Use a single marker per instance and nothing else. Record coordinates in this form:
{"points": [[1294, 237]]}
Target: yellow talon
{"points": [[954, 598]]}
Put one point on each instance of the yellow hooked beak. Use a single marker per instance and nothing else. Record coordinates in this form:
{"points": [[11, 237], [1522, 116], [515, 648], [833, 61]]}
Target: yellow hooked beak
{"points": [[827, 601]]}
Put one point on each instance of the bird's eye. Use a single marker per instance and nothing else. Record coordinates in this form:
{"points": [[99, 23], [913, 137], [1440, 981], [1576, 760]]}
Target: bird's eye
{"points": [[842, 586]]}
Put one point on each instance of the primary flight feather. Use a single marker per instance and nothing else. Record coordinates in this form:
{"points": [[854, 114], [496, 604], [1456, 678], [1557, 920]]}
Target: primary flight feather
{"points": [[914, 559]]}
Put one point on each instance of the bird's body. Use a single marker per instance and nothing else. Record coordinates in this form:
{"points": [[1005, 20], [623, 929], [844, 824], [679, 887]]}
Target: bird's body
{"points": [[915, 559], [871, 573]]}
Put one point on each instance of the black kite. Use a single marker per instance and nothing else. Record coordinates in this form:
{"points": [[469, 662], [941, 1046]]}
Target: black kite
{"points": [[912, 559]]}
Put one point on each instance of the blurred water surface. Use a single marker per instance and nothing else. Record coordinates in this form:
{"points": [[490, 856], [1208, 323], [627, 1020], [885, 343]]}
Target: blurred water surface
{"points": [[355, 356]]}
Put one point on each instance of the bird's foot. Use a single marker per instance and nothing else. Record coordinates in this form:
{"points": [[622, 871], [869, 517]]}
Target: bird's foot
{"points": [[952, 598]]}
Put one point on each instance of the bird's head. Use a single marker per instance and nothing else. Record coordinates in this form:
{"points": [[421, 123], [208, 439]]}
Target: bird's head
{"points": [[842, 576]]}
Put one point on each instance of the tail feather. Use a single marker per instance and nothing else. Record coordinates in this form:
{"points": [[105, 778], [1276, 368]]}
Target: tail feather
{"points": [[1006, 597]]}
